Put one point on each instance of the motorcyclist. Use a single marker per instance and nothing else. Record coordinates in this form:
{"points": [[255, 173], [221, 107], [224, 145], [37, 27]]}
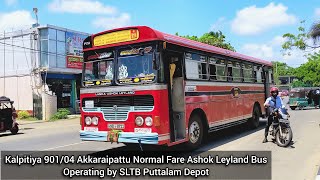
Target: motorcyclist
{"points": [[272, 102]]}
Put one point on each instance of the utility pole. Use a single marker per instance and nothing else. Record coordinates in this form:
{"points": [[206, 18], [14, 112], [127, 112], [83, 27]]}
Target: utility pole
{"points": [[4, 63]]}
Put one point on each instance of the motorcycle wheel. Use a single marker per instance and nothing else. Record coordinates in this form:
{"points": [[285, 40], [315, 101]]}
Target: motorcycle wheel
{"points": [[284, 142], [14, 130]]}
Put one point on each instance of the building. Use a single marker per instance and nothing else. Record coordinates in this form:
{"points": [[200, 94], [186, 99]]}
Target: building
{"points": [[285, 82], [41, 68]]}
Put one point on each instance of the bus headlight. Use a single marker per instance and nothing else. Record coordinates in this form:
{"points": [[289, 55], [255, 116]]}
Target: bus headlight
{"points": [[94, 120], [88, 120], [139, 121], [148, 121]]}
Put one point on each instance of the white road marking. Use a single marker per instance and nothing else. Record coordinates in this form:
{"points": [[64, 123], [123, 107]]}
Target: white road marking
{"points": [[64, 146]]}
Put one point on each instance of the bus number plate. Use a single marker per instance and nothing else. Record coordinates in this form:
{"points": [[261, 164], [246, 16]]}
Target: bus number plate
{"points": [[142, 130], [116, 126], [91, 129]]}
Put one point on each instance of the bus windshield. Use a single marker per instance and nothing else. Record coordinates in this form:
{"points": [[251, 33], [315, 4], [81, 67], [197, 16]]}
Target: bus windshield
{"points": [[99, 71], [135, 69]]}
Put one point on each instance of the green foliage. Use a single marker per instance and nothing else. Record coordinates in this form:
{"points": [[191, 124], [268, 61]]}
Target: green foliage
{"points": [[300, 41], [212, 38], [23, 115], [282, 69], [299, 83], [61, 114], [309, 73]]}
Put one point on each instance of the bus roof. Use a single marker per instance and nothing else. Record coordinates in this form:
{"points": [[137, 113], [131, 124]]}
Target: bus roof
{"points": [[149, 34]]}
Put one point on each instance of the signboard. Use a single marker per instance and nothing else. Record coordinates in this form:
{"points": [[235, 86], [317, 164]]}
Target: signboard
{"points": [[74, 51], [74, 62], [116, 37]]}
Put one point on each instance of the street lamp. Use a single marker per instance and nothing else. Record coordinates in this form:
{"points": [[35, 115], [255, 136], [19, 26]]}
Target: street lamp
{"points": [[35, 10]]}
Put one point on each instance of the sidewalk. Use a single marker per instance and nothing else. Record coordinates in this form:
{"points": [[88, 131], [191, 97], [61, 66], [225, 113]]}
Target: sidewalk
{"points": [[70, 117]]}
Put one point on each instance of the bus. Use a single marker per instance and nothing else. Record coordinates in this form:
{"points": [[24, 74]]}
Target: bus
{"points": [[144, 86]]}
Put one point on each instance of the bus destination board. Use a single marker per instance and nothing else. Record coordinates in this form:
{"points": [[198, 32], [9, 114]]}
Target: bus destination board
{"points": [[116, 37]]}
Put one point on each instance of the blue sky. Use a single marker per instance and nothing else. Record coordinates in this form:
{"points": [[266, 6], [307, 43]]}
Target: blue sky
{"points": [[253, 27]]}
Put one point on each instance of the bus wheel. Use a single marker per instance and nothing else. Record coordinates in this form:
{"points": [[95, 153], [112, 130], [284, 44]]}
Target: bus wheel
{"points": [[195, 132], [254, 120]]}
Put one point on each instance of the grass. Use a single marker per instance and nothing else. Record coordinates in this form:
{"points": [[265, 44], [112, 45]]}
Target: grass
{"points": [[29, 119]]}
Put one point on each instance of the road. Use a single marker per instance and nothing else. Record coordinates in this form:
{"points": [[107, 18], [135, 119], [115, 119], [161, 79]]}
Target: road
{"points": [[299, 161]]}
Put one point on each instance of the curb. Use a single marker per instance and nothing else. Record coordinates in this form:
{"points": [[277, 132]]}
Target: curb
{"points": [[42, 121]]}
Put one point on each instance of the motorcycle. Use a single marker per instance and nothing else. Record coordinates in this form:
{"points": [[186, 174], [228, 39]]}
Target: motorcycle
{"points": [[280, 127]]}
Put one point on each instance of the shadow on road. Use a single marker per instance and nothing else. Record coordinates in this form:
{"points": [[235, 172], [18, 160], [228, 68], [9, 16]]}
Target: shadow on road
{"points": [[215, 139], [9, 134]]}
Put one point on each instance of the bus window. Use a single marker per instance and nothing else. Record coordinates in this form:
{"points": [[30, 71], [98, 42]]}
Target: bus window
{"points": [[247, 72], [236, 72], [271, 80], [221, 70], [196, 66], [257, 74], [203, 71], [229, 75], [212, 69]]}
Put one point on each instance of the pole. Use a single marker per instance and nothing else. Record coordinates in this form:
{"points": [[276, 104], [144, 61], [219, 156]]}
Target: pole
{"points": [[4, 63]]}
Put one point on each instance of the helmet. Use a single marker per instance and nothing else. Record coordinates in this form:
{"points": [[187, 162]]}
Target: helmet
{"points": [[274, 89]]}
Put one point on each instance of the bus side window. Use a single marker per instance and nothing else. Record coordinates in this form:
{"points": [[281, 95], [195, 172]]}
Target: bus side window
{"points": [[247, 73], [221, 70], [257, 74], [212, 69], [229, 77]]}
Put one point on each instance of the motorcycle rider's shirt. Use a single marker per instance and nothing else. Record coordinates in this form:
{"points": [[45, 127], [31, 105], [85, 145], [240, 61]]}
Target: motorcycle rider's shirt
{"points": [[274, 102]]}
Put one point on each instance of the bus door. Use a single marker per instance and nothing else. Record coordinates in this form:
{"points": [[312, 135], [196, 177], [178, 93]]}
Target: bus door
{"points": [[176, 96]]}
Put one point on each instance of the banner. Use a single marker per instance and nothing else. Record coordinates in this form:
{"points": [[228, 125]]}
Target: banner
{"points": [[74, 50]]}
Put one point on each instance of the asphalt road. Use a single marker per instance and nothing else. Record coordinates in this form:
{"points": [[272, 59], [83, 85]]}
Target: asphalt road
{"points": [[299, 161]]}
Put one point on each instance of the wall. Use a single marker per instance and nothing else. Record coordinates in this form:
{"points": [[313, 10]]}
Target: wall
{"points": [[19, 90], [49, 105]]}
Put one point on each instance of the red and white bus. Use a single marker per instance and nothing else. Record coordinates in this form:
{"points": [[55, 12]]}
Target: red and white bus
{"points": [[144, 86]]}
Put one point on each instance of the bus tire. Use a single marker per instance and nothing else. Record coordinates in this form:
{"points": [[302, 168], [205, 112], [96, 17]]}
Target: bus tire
{"points": [[254, 120], [195, 132]]}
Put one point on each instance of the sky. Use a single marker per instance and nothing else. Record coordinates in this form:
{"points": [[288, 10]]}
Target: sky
{"points": [[254, 28]]}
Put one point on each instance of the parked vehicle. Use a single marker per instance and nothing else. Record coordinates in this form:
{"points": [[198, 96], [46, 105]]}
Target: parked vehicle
{"points": [[280, 127], [301, 97], [8, 116]]}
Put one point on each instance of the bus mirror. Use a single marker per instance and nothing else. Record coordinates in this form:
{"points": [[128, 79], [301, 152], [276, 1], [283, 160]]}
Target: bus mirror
{"points": [[155, 60]]}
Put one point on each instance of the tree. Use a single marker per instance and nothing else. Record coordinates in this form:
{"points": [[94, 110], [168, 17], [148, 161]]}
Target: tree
{"points": [[212, 38], [301, 40], [281, 69], [309, 73]]}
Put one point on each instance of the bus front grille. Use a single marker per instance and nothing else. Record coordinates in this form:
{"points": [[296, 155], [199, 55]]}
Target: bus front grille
{"points": [[118, 108]]}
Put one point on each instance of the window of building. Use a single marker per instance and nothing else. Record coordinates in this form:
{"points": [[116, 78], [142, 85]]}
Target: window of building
{"points": [[44, 53], [52, 34], [61, 36], [43, 33], [196, 66], [247, 72]]}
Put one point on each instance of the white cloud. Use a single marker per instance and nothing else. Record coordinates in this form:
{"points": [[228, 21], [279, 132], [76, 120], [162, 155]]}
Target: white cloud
{"points": [[11, 2], [253, 20], [81, 6], [18, 19], [271, 51], [112, 22], [219, 24], [317, 12]]}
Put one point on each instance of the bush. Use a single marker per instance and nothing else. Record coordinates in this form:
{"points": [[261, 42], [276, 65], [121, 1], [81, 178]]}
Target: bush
{"points": [[61, 114], [23, 115]]}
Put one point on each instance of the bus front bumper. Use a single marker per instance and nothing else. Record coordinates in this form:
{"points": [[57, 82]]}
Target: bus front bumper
{"points": [[123, 137]]}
